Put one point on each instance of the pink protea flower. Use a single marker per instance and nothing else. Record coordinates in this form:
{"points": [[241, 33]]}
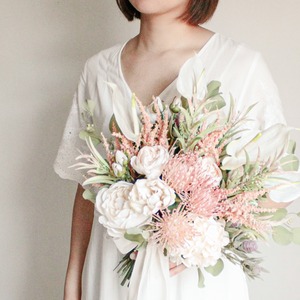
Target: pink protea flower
{"points": [[173, 229], [196, 180], [203, 200]]}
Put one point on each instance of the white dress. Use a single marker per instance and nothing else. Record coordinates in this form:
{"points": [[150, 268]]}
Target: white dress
{"points": [[244, 74]]}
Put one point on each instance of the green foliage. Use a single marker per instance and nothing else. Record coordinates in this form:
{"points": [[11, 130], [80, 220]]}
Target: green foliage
{"points": [[101, 179], [296, 235], [290, 163], [291, 147], [201, 279], [216, 269], [125, 268], [279, 215], [282, 235], [136, 238], [88, 195], [84, 134]]}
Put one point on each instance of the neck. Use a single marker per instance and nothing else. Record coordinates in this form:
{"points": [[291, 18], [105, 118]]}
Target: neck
{"points": [[158, 34]]}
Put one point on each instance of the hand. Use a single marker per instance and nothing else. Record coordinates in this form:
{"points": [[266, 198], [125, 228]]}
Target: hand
{"points": [[176, 269]]}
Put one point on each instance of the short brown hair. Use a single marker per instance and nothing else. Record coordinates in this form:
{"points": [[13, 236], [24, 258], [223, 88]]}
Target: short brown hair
{"points": [[198, 11]]}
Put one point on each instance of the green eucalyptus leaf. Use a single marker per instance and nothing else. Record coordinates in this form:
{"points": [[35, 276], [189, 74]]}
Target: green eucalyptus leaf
{"points": [[88, 195], [185, 103], [200, 279], [85, 135], [137, 238], [215, 103], [291, 147], [282, 235], [296, 235], [290, 163], [91, 104], [280, 214], [298, 214], [216, 269], [213, 89]]}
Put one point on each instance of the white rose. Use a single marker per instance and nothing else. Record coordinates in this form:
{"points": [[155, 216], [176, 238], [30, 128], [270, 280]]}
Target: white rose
{"points": [[150, 195], [205, 248], [150, 161], [116, 214]]}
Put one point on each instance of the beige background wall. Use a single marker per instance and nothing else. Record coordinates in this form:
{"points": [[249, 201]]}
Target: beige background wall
{"points": [[43, 46]]}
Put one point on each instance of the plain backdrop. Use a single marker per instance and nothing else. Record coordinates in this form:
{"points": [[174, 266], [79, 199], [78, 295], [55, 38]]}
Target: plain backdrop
{"points": [[43, 46]]}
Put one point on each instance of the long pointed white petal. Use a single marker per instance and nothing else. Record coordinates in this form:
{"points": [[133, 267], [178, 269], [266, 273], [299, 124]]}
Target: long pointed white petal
{"points": [[191, 79], [123, 113], [285, 186]]}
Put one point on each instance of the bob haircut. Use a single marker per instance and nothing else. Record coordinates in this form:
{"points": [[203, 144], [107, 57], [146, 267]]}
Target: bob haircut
{"points": [[198, 11]]}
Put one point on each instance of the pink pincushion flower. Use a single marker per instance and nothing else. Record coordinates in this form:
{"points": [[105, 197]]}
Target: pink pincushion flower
{"points": [[196, 180], [173, 229]]}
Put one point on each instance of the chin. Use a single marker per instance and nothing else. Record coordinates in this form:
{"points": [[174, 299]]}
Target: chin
{"points": [[148, 7]]}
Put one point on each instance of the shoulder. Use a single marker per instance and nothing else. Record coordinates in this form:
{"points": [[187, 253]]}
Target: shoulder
{"points": [[102, 61], [234, 48], [234, 60]]}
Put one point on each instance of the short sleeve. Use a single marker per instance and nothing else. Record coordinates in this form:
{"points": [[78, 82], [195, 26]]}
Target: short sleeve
{"points": [[71, 143], [261, 89]]}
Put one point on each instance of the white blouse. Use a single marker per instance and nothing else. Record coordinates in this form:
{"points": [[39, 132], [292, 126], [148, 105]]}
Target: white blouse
{"points": [[243, 74]]}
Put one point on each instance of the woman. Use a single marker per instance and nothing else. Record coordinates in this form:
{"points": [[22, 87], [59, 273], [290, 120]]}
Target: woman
{"points": [[148, 65]]}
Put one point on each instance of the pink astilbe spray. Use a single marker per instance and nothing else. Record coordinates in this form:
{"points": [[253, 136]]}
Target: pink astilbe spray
{"points": [[195, 183], [173, 229], [109, 154], [241, 209], [157, 133], [147, 126], [209, 145]]}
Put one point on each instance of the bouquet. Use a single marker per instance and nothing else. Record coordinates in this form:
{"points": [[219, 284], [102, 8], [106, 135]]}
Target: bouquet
{"points": [[190, 179]]}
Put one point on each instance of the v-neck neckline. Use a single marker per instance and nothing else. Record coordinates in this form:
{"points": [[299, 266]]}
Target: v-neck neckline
{"points": [[130, 92]]}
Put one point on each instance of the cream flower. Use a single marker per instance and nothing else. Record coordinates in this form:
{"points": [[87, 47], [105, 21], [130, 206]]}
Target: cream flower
{"points": [[211, 168], [150, 161], [205, 248], [118, 169], [116, 213], [148, 196]]}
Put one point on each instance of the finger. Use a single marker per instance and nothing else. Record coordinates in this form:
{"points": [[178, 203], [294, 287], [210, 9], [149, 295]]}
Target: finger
{"points": [[177, 270], [172, 265]]}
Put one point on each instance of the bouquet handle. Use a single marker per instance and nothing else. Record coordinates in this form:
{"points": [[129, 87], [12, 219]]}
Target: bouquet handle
{"points": [[150, 277]]}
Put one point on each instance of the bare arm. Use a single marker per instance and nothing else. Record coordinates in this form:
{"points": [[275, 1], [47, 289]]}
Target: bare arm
{"points": [[82, 220]]}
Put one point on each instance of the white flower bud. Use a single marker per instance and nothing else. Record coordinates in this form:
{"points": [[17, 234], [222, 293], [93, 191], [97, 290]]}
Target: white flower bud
{"points": [[118, 169], [121, 158]]}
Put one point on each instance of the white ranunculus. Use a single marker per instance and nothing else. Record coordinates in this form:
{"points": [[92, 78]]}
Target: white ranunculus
{"points": [[150, 161], [205, 249], [116, 213], [150, 195]]}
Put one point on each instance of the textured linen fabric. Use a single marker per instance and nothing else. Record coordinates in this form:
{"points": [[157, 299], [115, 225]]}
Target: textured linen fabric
{"points": [[243, 74]]}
